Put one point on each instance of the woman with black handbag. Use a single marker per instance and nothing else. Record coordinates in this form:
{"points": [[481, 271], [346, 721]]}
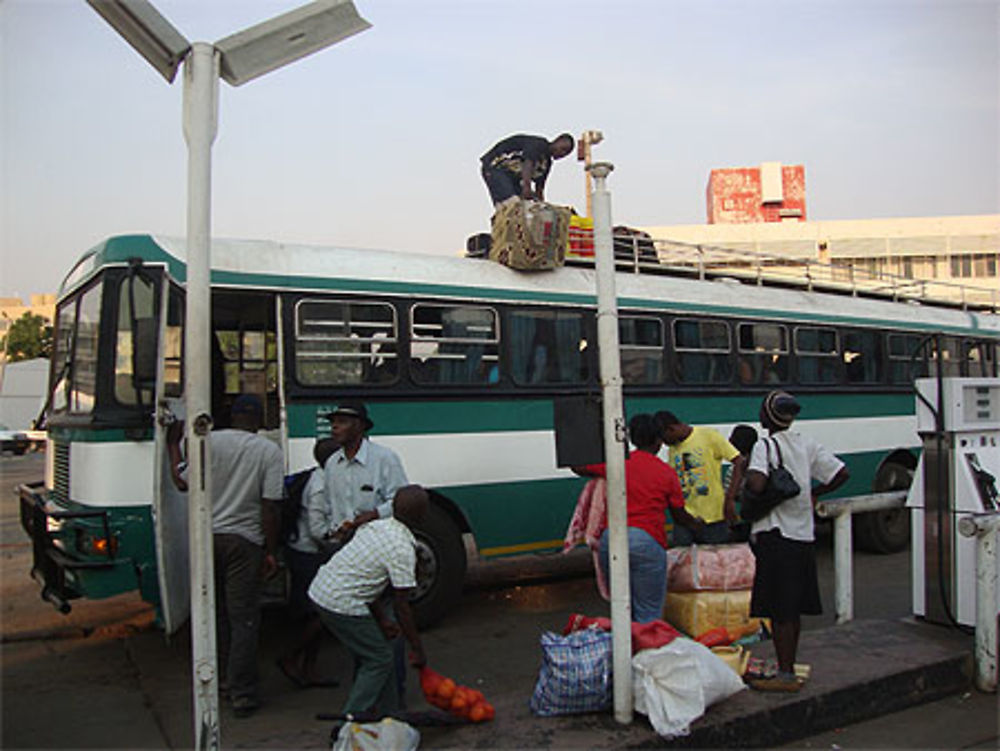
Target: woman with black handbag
{"points": [[785, 582]]}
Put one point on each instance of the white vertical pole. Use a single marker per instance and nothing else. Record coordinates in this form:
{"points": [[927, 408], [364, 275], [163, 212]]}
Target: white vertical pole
{"points": [[985, 528], [843, 567], [614, 444], [201, 97], [987, 613]]}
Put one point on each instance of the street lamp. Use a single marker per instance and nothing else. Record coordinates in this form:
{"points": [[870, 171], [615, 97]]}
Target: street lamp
{"points": [[238, 58], [587, 139], [613, 414]]}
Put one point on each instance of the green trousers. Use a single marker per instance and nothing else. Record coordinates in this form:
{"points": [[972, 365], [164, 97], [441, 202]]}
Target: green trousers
{"points": [[374, 686]]}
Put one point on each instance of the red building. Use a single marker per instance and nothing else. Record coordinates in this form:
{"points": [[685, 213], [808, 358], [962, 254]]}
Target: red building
{"points": [[772, 192]]}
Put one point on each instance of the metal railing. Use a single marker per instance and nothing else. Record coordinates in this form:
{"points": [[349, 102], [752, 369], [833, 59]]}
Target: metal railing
{"points": [[841, 510], [984, 527], [640, 253], [761, 268]]}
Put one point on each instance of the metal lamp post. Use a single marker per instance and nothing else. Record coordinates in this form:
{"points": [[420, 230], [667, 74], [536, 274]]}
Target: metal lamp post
{"points": [[237, 59], [588, 139], [614, 444]]}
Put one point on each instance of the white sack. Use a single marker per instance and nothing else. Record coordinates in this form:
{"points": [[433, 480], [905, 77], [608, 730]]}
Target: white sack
{"points": [[386, 735], [675, 684]]}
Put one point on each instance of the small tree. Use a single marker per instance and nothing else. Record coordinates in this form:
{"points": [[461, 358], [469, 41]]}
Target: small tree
{"points": [[28, 337]]}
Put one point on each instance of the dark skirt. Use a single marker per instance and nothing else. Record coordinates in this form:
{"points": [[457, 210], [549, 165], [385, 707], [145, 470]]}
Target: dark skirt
{"points": [[785, 583]]}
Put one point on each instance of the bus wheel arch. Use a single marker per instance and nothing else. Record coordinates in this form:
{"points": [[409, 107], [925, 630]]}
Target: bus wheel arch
{"points": [[441, 561], [887, 531]]}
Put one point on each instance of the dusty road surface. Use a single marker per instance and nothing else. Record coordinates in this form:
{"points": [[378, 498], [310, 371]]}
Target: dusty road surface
{"points": [[104, 677]]}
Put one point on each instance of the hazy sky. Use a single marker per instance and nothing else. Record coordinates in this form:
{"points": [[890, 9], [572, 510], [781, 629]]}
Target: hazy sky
{"points": [[891, 105]]}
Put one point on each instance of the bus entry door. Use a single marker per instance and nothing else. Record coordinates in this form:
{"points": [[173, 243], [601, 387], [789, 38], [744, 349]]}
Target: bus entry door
{"points": [[170, 506]]}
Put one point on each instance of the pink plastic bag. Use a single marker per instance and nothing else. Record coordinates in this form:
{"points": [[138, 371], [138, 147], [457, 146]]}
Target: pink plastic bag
{"points": [[716, 567]]}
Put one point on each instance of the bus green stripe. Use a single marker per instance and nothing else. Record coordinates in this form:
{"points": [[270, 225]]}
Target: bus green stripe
{"points": [[99, 435], [543, 508], [435, 416]]}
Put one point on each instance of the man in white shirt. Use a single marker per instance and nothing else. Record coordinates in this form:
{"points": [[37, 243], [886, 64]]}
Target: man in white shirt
{"points": [[361, 478], [785, 581], [347, 590]]}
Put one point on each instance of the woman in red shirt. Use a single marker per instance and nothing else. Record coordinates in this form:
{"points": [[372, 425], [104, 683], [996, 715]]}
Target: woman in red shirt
{"points": [[651, 487]]}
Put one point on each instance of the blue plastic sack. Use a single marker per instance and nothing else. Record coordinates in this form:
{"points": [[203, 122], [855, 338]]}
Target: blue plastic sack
{"points": [[575, 675]]}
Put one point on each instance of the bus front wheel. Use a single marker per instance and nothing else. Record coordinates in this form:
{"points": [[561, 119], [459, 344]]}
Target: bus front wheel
{"points": [[441, 566], [886, 531]]}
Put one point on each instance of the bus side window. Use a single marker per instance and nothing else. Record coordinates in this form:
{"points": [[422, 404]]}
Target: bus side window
{"points": [[547, 347], [863, 356], [817, 354], [344, 342], [641, 342], [905, 361], [950, 356], [703, 351], [979, 358], [454, 344], [763, 351]]}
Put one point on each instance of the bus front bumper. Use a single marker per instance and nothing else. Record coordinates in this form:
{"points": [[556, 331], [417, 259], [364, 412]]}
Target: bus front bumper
{"points": [[52, 567]]}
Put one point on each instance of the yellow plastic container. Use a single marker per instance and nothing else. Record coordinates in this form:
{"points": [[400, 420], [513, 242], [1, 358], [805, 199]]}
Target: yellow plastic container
{"points": [[735, 656]]}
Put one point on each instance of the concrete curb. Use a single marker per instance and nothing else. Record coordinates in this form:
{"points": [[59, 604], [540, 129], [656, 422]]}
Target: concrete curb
{"points": [[860, 670]]}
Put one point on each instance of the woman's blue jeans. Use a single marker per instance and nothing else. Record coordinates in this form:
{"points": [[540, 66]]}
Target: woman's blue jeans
{"points": [[647, 573]]}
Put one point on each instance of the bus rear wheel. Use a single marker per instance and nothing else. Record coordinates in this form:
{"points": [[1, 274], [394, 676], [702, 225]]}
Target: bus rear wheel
{"points": [[886, 531], [441, 564]]}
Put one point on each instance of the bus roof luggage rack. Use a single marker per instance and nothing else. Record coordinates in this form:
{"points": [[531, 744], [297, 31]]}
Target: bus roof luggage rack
{"points": [[710, 262]]}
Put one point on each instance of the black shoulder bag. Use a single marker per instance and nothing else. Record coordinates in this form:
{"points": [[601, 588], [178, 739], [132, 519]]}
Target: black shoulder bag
{"points": [[780, 487]]}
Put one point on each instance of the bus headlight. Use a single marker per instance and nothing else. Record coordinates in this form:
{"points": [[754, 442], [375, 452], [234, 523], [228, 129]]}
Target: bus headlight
{"points": [[90, 544]]}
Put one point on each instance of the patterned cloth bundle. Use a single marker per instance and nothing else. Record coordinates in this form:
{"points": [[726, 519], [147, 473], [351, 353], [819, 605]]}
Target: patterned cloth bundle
{"points": [[529, 235]]}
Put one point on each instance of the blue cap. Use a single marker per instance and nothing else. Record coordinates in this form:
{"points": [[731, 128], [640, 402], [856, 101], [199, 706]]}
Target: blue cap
{"points": [[247, 404]]}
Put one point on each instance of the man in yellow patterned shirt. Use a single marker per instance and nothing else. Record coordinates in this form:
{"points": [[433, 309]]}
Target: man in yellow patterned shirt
{"points": [[696, 454]]}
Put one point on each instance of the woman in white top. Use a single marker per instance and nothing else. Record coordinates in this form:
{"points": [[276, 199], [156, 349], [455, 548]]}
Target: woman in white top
{"points": [[785, 583]]}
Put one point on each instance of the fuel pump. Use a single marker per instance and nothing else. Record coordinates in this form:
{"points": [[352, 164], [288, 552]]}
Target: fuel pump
{"points": [[958, 420]]}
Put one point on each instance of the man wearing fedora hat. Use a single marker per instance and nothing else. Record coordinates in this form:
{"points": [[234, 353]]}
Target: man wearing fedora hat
{"points": [[362, 477]]}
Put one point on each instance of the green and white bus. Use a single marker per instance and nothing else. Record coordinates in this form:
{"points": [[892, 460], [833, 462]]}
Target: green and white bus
{"points": [[459, 361]]}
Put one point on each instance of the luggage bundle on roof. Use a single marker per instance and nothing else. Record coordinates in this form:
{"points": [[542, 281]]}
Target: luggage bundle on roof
{"points": [[529, 235]]}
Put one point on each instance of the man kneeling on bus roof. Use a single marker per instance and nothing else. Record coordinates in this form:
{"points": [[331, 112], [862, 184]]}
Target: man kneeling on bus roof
{"points": [[247, 483]]}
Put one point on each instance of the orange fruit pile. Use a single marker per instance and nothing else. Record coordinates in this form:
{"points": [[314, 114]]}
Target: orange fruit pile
{"points": [[461, 701]]}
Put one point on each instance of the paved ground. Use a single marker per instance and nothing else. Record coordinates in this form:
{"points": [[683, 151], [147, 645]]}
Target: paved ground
{"points": [[102, 678]]}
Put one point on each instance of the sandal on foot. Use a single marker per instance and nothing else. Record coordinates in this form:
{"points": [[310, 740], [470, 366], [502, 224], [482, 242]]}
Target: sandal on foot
{"points": [[776, 684]]}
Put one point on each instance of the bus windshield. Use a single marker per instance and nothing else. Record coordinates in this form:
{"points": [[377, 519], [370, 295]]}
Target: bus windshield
{"points": [[105, 349], [76, 352]]}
